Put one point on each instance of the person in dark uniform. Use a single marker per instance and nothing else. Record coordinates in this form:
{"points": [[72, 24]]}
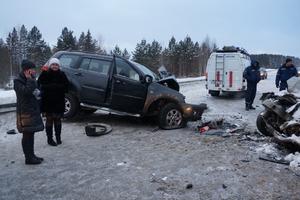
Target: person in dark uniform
{"points": [[29, 119], [284, 73], [252, 75], [54, 84]]}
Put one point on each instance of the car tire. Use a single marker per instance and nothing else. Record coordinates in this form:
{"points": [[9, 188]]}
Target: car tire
{"points": [[71, 106], [171, 117], [261, 125], [214, 93]]}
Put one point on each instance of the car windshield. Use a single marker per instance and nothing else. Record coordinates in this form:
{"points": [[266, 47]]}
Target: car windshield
{"points": [[145, 70]]}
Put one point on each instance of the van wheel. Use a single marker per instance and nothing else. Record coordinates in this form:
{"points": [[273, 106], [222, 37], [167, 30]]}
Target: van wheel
{"points": [[71, 106], [171, 117], [214, 93]]}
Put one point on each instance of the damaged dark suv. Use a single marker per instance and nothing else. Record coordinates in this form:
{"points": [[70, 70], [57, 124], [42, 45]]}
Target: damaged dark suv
{"points": [[121, 86]]}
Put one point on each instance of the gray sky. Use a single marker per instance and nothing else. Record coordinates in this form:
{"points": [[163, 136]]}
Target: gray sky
{"points": [[260, 26]]}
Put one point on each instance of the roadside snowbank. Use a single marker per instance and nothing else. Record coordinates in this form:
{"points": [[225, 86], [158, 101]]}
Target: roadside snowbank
{"points": [[7, 96]]}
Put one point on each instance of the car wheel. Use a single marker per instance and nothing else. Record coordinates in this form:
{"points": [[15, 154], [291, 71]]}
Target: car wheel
{"points": [[71, 106], [214, 93], [261, 125], [171, 117]]}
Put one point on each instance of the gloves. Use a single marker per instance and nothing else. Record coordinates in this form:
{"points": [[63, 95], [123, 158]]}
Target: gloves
{"points": [[277, 85]]}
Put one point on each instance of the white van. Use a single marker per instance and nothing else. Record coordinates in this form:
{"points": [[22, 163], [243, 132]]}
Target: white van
{"points": [[224, 71]]}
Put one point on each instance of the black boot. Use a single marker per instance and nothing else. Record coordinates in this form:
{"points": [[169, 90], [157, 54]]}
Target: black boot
{"points": [[32, 151], [49, 132], [251, 107], [57, 128], [27, 149], [247, 107]]}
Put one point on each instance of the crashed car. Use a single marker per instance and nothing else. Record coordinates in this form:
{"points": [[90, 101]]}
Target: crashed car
{"points": [[117, 85], [281, 117]]}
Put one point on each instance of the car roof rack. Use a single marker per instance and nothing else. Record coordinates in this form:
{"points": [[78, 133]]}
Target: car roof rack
{"points": [[232, 49]]}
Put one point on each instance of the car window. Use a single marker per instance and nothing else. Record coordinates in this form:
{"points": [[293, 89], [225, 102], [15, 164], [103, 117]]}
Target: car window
{"points": [[124, 69], [85, 63], [68, 60], [100, 66]]}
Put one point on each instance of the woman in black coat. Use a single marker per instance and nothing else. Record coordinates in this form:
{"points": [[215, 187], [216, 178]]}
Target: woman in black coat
{"points": [[54, 85], [29, 118]]}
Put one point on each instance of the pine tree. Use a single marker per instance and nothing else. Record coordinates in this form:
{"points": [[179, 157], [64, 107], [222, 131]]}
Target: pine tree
{"points": [[154, 54], [4, 63], [80, 43], [90, 45], [140, 54], [23, 41], [13, 47], [125, 54], [39, 51], [117, 51], [66, 41]]}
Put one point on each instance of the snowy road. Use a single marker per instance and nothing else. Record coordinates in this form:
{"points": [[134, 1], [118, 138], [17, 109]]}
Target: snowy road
{"points": [[135, 162]]}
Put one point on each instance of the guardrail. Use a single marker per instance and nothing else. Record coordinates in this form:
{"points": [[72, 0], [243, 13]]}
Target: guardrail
{"points": [[9, 107]]}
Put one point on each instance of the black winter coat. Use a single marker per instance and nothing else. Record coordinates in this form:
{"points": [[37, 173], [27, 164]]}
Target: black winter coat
{"points": [[252, 75], [53, 85], [28, 110]]}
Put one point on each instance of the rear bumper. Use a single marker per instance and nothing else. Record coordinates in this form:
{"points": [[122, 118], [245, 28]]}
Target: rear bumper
{"points": [[193, 112]]}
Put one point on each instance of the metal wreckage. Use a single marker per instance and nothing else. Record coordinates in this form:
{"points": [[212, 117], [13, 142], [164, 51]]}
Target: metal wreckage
{"points": [[281, 117]]}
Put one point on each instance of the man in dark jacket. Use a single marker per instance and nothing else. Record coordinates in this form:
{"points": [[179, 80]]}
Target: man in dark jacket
{"points": [[252, 75], [284, 73], [29, 119]]}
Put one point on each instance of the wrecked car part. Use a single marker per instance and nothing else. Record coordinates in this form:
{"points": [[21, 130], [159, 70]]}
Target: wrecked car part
{"points": [[97, 129]]}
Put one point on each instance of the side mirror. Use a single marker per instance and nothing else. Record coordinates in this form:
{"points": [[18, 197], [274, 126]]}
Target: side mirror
{"points": [[148, 79]]}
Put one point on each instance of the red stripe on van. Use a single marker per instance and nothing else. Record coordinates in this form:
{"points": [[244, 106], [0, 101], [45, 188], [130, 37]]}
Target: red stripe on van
{"points": [[217, 78], [230, 78]]}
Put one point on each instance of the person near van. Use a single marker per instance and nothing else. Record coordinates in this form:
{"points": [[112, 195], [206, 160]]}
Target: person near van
{"points": [[252, 75], [284, 73], [54, 84], [29, 118]]}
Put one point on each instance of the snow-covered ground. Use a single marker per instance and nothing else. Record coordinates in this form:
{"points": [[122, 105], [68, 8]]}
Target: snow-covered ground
{"points": [[136, 161]]}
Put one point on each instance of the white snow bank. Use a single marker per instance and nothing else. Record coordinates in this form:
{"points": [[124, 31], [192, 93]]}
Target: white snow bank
{"points": [[7, 96], [267, 149], [295, 138], [294, 160], [192, 79]]}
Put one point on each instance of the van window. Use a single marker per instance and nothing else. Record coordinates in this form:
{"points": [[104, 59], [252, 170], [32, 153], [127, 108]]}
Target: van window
{"points": [[68, 61]]}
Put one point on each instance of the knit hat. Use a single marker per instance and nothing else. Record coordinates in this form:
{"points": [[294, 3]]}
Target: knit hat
{"points": [[288, 60], [53, 61], [26, 64]]}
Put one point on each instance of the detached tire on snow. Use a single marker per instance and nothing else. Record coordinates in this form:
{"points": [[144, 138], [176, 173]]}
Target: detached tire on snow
{"points": [[171, 117], [261, 125], [71, 106]]}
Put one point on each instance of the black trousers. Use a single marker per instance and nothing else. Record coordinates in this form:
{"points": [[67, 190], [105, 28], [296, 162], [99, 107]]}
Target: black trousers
{"points": [[250, 94], [28, 144], [53, 119]]}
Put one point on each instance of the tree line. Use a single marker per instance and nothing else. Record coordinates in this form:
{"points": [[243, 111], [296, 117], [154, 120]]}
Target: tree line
{"points": [[183, 57], [273, 61]]}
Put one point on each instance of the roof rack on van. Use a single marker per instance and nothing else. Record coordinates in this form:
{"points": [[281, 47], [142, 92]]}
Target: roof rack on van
{"points": [[229, 49]]}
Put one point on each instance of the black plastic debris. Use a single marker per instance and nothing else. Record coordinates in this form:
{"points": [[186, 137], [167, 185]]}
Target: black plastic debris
{"points": [[11, 132]]}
